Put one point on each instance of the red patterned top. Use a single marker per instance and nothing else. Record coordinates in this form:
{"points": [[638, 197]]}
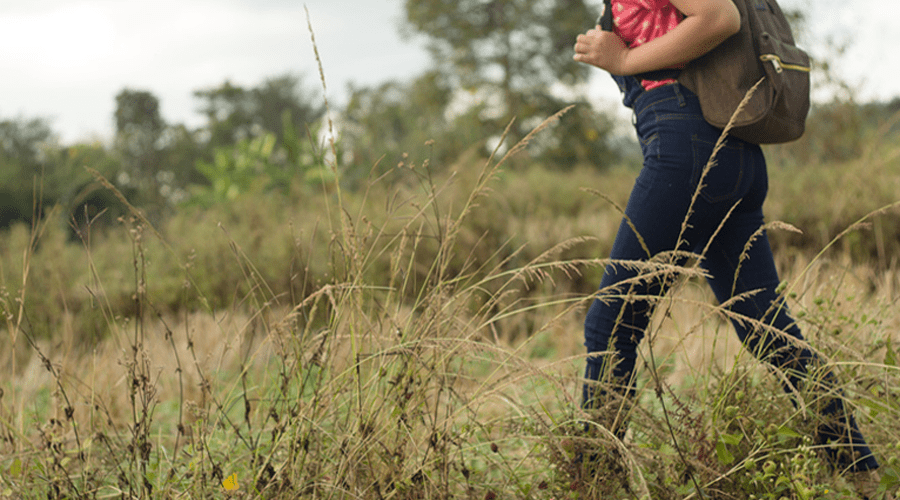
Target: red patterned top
{"points": [[639, 21]]}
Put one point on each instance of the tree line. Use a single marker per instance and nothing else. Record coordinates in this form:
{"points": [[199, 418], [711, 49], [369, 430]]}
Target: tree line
{"points": [[499, 66], [494, 61], [155, 164]]}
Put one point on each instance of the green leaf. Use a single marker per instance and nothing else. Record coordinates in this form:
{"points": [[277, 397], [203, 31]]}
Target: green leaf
{"points": [[783, 482], [788, 432], [890, 477], [16, 468], [732, 439], [890, 357], [725, 456], [876, 406]]}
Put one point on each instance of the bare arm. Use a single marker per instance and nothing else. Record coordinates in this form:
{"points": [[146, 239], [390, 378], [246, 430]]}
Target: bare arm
{"points": [[707, 23]]}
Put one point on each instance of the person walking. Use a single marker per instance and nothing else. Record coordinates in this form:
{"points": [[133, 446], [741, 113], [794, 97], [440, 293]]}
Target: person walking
{"points": [[722, 224]]}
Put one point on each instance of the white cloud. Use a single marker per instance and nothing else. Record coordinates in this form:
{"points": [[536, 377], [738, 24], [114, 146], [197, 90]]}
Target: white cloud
{"points": [[66, 59], [66, 40]]}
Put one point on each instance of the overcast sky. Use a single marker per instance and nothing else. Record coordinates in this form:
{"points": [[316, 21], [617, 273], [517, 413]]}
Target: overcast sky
{"points": [[65, 60]]}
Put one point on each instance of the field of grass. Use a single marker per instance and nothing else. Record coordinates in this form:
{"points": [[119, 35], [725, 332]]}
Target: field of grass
{"points": [[421, 338]]}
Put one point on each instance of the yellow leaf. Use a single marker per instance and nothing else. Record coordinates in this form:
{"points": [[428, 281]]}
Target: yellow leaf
{"points": [[230, 483]]}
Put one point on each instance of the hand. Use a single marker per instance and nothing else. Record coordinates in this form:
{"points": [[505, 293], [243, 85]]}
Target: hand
{"points": [[602, 49]]}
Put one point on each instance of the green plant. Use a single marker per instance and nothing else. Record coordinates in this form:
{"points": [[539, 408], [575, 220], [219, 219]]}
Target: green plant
{"points": [[259, 165]]}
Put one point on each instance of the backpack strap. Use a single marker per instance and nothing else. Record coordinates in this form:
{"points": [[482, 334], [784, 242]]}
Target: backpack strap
{"points": [[606, 20]]}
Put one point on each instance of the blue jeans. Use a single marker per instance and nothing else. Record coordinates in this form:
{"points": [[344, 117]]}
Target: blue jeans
{"points": [[677, 143]]}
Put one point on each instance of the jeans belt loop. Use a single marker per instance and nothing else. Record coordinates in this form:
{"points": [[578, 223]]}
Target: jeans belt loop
{"points": [[677, 88]]}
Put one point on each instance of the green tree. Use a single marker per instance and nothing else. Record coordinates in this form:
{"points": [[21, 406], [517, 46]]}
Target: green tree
{"points": [[28, 154], [139, 127], [229, 113], [181, 149], [257, 139], [512, 45], [582, 136], [506, 51], [260, 166], [385, 124], [282, 95], [235, 113], [86, 201], [32, 163], [157, 160]]}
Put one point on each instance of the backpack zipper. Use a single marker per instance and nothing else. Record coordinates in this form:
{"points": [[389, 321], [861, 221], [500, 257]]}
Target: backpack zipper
{"points": [[780, 65]]}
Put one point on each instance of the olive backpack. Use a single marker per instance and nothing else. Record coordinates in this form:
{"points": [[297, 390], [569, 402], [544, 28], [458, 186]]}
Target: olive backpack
{"points": [[763, 49]]}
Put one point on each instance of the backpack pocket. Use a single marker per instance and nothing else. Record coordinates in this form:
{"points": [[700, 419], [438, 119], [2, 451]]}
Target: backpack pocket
{"points": [[787, 68], [783, 57]]}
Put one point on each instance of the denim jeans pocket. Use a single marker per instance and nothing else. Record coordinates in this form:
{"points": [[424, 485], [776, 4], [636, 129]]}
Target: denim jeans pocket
{"points": [[728, 177]]}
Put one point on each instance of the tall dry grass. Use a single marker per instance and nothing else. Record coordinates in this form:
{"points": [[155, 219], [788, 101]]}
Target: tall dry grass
{"points": [[420, 347], [415, 340]]}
